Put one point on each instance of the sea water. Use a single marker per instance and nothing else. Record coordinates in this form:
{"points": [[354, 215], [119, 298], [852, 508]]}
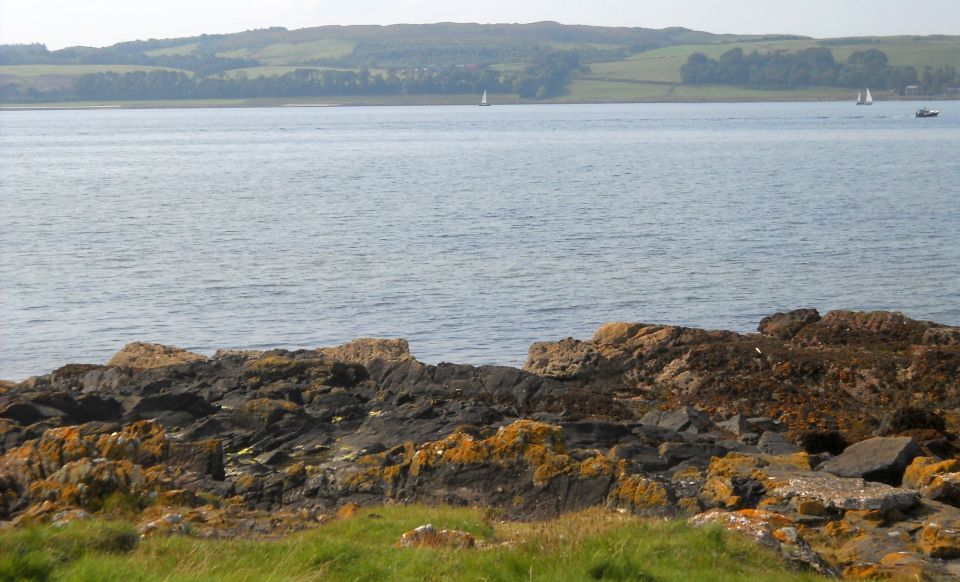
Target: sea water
{"points": [[471, 231]]}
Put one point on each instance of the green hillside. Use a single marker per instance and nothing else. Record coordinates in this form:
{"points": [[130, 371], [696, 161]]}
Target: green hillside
{"points": [[543, 61]]}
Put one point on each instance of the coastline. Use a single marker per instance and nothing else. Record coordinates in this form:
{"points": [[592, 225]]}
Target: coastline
{"points": [[799, 435], [424, 101]]}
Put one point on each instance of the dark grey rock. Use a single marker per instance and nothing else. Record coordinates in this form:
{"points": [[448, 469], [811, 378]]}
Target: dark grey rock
{"points": [[736, 424], [760, 424], [882, 459], [774, 443], [786, 325]]}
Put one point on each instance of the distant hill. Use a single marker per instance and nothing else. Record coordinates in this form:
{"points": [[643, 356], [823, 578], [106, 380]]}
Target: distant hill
{"points": [[541, 61]]}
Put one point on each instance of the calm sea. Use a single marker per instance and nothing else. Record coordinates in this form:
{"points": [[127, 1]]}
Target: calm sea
{"points": [[471, 231]]}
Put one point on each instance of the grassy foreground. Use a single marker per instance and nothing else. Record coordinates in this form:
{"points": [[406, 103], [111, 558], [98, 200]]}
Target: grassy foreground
{"points": [[591, 545]]}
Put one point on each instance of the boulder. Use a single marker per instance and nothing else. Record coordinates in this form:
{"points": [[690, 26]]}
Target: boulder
{"points": [[366, 350], [940, 540], [774, 443], [842, 494], [685, 419], [736, 424], [785, 325], [428, 536], [564, 360], [923, 470], [882, 459], [170, 409], [143, 355], [771, 530]]}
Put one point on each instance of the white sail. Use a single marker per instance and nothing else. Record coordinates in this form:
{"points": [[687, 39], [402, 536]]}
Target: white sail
{"points": [[869, 99], [483, 100], [859, 98]]}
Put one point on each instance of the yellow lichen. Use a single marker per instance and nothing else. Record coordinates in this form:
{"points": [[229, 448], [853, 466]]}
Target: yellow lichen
{"points": [[922, 471], [640, 494], [596, 466]]}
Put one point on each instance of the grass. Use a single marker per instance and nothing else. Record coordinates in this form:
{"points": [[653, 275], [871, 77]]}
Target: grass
{"points": [[173, 51], [293, 53], [40, 70], [663, 65], [905, 51], [590, 545]]}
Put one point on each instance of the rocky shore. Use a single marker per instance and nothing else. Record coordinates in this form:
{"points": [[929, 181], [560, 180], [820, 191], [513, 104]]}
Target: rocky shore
{"points": [[830, 438]]}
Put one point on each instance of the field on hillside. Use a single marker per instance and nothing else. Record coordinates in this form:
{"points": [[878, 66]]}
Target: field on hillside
{"points": [[294, 53], [591, 545], [652, 75], [664, 64], [29, 71]]}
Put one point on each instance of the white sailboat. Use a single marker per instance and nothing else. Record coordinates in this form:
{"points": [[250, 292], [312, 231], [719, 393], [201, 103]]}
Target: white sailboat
{"points": [[867, 101], [483, 100]]}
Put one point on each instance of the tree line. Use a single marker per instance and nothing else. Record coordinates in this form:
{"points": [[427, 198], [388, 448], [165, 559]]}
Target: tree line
{"points": [[546, 77], [810, 68]]}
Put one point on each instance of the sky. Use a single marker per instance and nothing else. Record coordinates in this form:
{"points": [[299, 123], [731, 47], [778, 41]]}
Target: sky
{"points": [[61, 23]]}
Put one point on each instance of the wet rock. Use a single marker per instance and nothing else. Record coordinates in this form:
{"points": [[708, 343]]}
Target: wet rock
{"points": [[143, 355], [882, 459]]}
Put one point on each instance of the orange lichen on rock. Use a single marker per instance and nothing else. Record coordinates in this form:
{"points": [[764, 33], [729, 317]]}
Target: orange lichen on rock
{"points": [[539, 445], [939, 541], [640, 495], [59, 446], [923, 470], [598, 466]]}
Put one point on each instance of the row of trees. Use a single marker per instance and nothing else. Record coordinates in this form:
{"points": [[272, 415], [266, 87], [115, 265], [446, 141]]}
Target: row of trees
{"points": [[546, 76], [161, 84], [810, 67], [132, 53]]}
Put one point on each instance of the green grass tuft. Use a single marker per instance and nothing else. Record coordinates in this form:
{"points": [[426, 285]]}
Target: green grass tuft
{"points": [[590, 545]]}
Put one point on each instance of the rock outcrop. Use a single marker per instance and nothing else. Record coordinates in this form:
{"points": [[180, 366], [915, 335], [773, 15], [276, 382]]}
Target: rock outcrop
{"points": [[770, 434]]}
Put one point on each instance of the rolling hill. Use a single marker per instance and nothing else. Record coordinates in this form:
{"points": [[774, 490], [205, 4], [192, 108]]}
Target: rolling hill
{"points": [[543, 61]]}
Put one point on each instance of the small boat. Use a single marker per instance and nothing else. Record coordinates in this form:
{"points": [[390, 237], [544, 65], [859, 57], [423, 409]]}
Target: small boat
{"points": [[867, 101], [483, 100], [926, 112]]}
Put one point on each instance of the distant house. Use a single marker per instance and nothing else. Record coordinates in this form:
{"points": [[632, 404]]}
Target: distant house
{"points": [[911, 90]]}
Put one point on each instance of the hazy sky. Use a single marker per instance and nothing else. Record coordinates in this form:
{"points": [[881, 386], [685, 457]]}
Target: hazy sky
{"points": [[60, 23]]}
